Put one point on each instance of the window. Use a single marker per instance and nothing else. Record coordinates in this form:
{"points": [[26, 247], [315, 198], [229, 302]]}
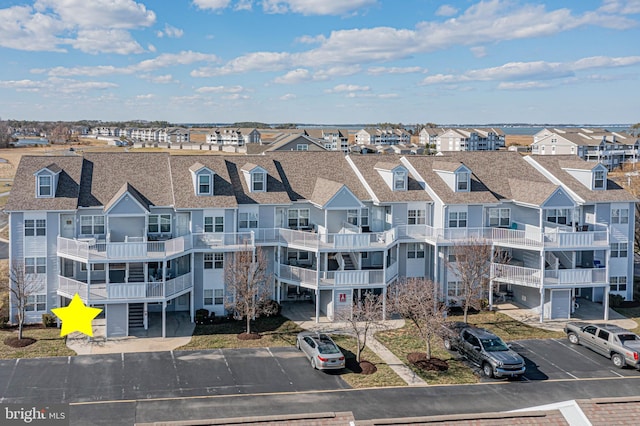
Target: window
{"points": [[247, 220], [208, 261], [500, 217], [36, 302], [557, 216], [204, 184], [415, 251], [94, 267], [213, 224], [416, 217], [159, 223], [462, 181], [218, 296], [399, 180], [298, 218], [604, 335], [35, 265], [208, 297], [302, 147], [352, 217], [619, 249], [618, 284], [218, 260], [457, 219], [454, 288], [44, 186], [364, 217], [257, 182], [36, 227], [91, 225], [598, 179], [619, 215]]}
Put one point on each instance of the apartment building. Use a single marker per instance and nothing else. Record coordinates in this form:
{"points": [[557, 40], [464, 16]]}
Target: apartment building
{"points": [[464, 139], [137, 233], [612, 149], [332, 139], [373, 136], [232, 136]]}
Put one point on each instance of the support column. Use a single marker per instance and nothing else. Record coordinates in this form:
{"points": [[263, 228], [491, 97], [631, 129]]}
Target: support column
{"points": [[192, 293], [145, 316], [605, 303], [164, 318], [384, 303], [318, 305], [542, 255]]}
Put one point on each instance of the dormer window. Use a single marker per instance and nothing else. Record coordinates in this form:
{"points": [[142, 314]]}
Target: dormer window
{"points": [[44, 186], [399, 180], [204, 184], [598, 179], [257, 182], [462, 181]]}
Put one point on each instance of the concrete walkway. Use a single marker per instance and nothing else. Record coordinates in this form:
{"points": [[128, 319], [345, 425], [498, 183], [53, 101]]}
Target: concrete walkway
{"points": [[303, 314]]}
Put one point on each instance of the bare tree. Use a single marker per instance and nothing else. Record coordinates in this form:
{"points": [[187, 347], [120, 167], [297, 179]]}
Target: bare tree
{"points": [[419, 301], [472, 266], [247, 285], [21, 285], [363, 315]]}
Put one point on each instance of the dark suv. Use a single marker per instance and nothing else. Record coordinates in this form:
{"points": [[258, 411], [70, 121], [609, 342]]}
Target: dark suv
{"points": [[484, 349]]}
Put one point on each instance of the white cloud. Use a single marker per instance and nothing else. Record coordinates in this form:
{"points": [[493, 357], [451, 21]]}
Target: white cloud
{"points": [[235, 97], [338, 71], [287, 97], [220, 89], [627, 7], [244, 5], [315, 7], [164, 60], [294, 77], [395, 70], [170, 31], [340, 88], [211, 4], [90, 26], [151, 48], [525, 85], [446, 10], [262, 61], [159, 79], [54, 85], [479, 51], [533, 71], [146, 96]]}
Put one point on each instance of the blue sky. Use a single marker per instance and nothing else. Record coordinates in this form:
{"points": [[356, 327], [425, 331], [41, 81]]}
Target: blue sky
{"points": [[321, 61]]}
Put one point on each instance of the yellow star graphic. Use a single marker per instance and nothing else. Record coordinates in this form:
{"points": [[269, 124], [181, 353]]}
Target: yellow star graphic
{"points": [[76, 317]]}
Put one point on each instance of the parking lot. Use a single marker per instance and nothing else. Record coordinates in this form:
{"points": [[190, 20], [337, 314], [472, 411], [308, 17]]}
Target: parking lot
{"points": [[555, 359], [160, 374]]}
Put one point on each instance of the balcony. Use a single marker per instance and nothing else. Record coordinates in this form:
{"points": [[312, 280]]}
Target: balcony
{"points": [[224, 240], [356, 278], [109, 292], [314, 241], [91, 249], [532, 277], [553, 236]]}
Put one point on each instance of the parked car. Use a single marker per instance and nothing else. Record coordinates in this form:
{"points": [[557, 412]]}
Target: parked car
{"points": [[484, 349], [321, 350], [616, 343]]}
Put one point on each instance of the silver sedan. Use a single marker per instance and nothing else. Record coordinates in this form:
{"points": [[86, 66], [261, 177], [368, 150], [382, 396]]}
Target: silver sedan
{"points": [[323, 353]]}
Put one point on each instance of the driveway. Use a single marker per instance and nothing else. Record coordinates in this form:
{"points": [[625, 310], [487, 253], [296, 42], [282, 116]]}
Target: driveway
{"points": [[160, 374]]}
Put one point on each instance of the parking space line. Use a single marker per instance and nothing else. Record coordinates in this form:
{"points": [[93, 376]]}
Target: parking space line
{"points": [[570, 347], [553, 364], [279, 365], [617, 374]]}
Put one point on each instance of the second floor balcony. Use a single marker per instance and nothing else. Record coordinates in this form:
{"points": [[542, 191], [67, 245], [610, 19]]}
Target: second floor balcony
{"points": [[352, 278], [532, 277], [131, 249]]}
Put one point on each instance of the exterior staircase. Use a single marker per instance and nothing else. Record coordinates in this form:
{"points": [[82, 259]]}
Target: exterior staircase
{"points": [[136, 273], [136, 315], [348, 263]]}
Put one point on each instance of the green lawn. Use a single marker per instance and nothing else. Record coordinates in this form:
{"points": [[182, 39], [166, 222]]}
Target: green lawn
{"points": [[48, 343], [404, 341], [275, 331], [632, 313]]}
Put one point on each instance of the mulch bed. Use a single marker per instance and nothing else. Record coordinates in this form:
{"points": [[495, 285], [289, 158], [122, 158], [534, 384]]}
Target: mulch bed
{"points": [[14, 342], [419, 359], [629, 304], [249, 336], [364, 367]]}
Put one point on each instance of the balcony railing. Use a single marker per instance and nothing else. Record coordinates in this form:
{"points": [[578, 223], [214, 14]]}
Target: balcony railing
{"points": [[552, 235], [68, 287], [132, 250], [222, 240], [356, 278], [532, 277], [575, 276], [519, 275]]}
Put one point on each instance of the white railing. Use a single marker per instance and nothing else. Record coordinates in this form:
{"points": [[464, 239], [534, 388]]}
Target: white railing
{"points": [[123, 250], [296, 274], [222, 239], [70, 287], [372, 277], [178, 284], [392, 271], [123, 291], [520, 275], [415, 232], [575, 276]]}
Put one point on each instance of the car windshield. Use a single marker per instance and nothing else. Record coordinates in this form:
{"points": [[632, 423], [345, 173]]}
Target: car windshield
{"points": [[493, 345], [327, 348]]}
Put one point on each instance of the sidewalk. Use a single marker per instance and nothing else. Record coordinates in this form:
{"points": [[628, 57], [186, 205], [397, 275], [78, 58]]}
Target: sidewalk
{"points": [[302, 315]]}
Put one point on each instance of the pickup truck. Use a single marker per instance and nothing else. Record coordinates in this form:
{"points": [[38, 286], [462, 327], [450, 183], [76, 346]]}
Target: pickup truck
{"points": [[484, 349], [616, 343]]}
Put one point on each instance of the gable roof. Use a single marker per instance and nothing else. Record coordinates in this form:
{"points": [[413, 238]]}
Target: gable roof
{"points": [[127, 188]]}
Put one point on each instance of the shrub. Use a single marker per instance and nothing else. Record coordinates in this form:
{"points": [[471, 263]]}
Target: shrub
{"points": [[49, 320], [4, 315], [269, 308], [203, 317], [615, 300]]}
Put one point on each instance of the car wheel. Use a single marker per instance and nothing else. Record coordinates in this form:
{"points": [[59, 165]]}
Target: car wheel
{"points": [[573, 338], [447, 345], [618, 360], [313, 364], [487, 369]]}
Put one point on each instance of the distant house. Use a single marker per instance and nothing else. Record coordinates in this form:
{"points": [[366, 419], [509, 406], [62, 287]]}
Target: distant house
{"points": [[374, 136], [297, 143], [232, 136], [600, 145], [429, 135], [466, 139], [334, 139]]}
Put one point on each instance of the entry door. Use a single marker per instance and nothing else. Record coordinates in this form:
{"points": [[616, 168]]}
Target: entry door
{"points": [[560, 304], [182, 224], [67, 225]]}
